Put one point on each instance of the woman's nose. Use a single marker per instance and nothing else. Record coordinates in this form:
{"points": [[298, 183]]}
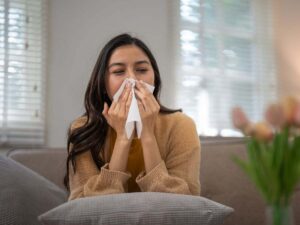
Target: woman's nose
{"points": [[131, 74]]}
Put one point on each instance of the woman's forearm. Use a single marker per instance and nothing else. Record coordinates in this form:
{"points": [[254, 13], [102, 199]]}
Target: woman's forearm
{"points": [[119, 158], [151, 152]]}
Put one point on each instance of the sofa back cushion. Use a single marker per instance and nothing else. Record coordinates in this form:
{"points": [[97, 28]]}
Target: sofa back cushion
{"points": [[50, 163], [223, 181]]}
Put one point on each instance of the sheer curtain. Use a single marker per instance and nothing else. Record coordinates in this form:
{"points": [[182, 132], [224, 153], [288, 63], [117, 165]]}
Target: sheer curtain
{"points": [[23, 31], [224, 58]]}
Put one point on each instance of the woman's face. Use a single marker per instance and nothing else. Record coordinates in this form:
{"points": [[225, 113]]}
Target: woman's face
{"points": [[127, 61]]}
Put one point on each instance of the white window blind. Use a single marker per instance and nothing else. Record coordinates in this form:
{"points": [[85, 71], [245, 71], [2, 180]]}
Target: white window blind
{"points": [[22, 72], [224, 59]]}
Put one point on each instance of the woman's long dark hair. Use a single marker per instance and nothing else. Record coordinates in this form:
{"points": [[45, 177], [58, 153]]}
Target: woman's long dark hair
{"points": [[91, 135]]}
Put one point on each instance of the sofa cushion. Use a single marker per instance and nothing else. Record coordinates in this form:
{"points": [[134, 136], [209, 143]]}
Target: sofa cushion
{"points": [[48, 162], [25, 194], [138, 208]]}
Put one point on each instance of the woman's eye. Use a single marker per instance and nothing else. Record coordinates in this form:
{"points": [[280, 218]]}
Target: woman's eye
{"points": [[118, 72], [142, 70]]}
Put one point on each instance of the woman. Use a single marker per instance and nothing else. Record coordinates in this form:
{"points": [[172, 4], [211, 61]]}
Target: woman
{"points": [[102, 159]]}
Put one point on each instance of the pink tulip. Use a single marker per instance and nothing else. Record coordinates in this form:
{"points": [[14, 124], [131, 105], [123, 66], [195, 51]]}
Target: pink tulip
{"points": [[262, 131], [289, 105], [275, 115], [249, 129], [297, 115], [239, 118]]}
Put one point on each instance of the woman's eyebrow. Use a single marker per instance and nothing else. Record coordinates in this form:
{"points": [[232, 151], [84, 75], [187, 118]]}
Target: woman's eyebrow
{"points": [[141, 62], [116, 64], [123, 64]]}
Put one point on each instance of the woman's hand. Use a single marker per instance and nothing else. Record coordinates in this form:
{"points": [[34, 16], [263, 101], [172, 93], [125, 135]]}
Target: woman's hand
{"points": [[148, 107], [116, 114]]}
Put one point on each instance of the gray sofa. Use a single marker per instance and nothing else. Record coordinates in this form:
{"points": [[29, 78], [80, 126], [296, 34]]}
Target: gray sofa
{"points": [[221, 180]]}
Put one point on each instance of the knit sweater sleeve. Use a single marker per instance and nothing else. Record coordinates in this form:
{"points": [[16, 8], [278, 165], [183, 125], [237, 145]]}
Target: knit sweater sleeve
{"points": [[88, 180], [179, 172]]}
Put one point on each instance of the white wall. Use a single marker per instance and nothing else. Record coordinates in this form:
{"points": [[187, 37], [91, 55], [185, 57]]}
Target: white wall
{"points": [[77, 31]]}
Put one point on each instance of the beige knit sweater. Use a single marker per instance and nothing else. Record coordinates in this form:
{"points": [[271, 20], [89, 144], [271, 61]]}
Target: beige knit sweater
{"points": [[178, 172]]}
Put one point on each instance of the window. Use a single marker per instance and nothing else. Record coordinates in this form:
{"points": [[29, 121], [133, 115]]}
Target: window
{"points": [[22, 72], [225, 58]]}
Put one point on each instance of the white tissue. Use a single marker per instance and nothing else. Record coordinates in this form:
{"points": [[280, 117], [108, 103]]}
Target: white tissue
{"points": [[134, 117]]}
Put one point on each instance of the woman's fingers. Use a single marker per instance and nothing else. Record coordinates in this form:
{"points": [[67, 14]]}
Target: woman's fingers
{"points": [[142, 87], [128, 102], [142, 99], [124, 99], [149, 102], [105, 112], [124, 92], [105, 109], [145, 95], [121, 107], [116, 108], [141, 107], [112, 106]]}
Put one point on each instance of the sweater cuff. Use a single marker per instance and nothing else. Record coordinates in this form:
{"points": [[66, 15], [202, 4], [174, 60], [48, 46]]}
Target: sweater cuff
{"points": [[112, 176], [147, 180]]}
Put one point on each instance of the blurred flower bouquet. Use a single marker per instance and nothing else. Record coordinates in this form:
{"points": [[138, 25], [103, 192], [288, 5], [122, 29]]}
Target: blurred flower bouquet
{"points": [[273, 148]]}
